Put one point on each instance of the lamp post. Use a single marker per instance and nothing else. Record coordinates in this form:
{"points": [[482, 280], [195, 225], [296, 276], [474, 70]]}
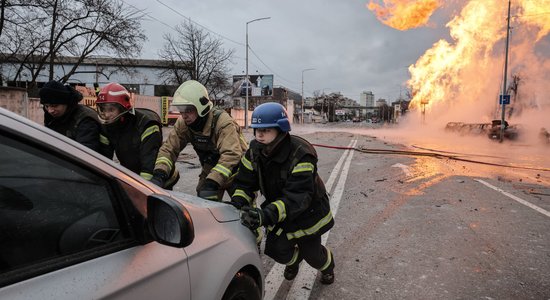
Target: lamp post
{"points": [[304, 70], [246, 77]]}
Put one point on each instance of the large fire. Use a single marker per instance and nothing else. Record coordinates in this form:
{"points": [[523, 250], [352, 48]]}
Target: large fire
{"points": [[469, 67], [404, 14]]}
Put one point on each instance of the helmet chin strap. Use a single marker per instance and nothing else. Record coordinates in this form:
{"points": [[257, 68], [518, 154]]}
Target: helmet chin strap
{"points": [[107, 122]]}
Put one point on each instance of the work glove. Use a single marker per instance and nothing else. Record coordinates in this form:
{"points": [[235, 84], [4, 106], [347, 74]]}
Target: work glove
{"points": [[238, 202], [159, 178], [209, 190], [253, 217]]}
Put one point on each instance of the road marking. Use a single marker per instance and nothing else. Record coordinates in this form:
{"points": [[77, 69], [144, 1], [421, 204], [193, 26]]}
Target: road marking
{"points": [[528, 204], [303, 283], [275, 278], [404, 168]]}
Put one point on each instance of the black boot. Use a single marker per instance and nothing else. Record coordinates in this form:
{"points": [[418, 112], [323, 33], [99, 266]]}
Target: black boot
{"points": [[291, 271], [327, 276]]}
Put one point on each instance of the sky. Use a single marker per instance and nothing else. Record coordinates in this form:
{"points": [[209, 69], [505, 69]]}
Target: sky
{"points": [[349, 49]]}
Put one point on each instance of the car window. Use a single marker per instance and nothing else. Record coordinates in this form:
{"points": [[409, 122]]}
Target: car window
{"points": [[50, 208]]}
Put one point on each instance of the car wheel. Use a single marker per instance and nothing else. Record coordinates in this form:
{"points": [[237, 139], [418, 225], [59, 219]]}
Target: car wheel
{"points": [[244, 287]]}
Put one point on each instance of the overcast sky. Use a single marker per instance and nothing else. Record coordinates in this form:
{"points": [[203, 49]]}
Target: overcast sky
{"points": [[349, 48]]}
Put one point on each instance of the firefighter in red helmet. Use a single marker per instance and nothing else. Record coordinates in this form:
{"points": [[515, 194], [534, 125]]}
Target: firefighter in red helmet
{"points": [[134, 134]]}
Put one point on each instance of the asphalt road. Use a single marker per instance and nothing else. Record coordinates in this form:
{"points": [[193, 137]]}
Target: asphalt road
{"points": [[421, 227]]}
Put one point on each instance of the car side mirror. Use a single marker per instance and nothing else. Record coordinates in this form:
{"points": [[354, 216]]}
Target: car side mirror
{"points": [[169, 222]]}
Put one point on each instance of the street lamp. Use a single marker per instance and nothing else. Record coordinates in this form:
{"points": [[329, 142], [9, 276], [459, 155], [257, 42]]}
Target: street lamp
{"points": [[304, 70], [246, 77]]}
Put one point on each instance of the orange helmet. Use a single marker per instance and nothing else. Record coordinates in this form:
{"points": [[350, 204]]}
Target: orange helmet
{"points": [[113, 98]]}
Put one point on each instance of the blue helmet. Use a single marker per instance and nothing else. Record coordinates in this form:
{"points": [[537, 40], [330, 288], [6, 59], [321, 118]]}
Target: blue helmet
{"points": [[270, 114]]}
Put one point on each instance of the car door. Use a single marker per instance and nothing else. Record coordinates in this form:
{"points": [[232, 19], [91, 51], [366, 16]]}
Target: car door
{"points": [[71, 227]]}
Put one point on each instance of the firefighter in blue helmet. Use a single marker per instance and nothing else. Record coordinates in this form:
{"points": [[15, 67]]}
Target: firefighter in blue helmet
{"points": [[296, 210]]}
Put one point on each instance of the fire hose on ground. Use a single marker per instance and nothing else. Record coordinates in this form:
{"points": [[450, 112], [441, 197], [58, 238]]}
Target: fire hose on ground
{"points": [[436, 154]]}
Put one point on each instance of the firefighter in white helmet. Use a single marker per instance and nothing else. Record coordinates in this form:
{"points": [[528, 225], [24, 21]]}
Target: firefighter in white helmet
{"points": [[215, 136]]}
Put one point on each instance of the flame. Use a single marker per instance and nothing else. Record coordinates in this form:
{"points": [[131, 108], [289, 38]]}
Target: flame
{"points": [[404, 14], [469, 68]]}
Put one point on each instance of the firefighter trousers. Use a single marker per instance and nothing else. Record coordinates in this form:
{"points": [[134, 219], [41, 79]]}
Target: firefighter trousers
{"points": [[291, 253]]}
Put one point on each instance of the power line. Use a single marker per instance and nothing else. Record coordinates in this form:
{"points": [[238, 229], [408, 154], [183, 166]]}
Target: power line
{"points": [[218, 34], [200, 25], [256, 55]]}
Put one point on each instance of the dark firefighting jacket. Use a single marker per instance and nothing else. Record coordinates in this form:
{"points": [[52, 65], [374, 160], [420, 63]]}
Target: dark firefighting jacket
{"points": [[79, 123], [136, 139], [219, 146], [289, 181]]}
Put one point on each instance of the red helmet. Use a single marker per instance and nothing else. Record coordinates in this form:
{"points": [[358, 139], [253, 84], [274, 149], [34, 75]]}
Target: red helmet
{"points": [[113, 101], [114, 93]]}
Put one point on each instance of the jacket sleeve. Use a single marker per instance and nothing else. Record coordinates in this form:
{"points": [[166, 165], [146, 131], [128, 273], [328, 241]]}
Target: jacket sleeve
{"points": [[229, 142], [171, 148], [246, 182], [105, 146], [151, 140], [87, 133], [298, 191]]}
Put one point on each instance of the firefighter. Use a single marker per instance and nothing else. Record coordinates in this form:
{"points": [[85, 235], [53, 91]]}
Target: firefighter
{"points": [[134, 134], [296, 210], [63, 114], [216, 138]]}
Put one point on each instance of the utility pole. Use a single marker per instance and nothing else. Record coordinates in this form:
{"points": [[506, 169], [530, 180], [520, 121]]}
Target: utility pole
{"points": [[502, 97]]}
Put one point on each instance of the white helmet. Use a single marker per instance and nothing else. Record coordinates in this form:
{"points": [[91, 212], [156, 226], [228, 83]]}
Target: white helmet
{"points": [[193, 93]]}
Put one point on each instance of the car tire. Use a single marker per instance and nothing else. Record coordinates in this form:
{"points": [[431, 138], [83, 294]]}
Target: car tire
{"points": [[244, 287]]}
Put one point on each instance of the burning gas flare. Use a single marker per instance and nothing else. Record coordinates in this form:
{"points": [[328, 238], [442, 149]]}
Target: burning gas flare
{"points": [[404, 14], [469, 68]]}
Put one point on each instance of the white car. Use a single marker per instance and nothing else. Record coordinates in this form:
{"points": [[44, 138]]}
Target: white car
{"points": [[75, 225]]}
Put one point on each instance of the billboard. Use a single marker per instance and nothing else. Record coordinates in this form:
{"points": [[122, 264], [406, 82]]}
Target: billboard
{"points": [[258, 85]]}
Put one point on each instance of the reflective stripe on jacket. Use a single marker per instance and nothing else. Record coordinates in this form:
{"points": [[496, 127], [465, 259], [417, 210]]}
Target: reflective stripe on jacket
{"points": [[219, 145]]}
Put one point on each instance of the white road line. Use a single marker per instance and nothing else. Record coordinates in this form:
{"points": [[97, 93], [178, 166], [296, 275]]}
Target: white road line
{"points": [[303, 283], [404, 168], [337, 168], [275, 278], [528, 204]]}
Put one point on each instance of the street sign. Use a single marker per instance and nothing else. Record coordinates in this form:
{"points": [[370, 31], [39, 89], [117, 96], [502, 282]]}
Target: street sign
{"points": [[504, 99]]}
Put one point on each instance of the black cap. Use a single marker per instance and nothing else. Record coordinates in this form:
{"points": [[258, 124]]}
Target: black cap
{"points": [[54, 92]]}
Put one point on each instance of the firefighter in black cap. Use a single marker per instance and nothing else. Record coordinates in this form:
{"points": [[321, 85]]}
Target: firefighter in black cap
{"points": [[64, 114]]}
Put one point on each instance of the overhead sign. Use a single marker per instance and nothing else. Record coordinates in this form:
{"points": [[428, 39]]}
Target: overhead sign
{"points": [[504, 99], [260, 85]]}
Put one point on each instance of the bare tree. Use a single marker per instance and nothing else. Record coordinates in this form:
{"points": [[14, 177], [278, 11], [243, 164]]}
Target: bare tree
{"points": [[192, 53], [51, 29]]}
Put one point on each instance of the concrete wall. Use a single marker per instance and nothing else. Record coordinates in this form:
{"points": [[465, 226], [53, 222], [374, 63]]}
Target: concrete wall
{"points": [[15, 100]]}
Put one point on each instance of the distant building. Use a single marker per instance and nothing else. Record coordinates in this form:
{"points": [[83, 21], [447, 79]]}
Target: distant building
{"points": [[140, 76], [381, 102], [366, 98]]}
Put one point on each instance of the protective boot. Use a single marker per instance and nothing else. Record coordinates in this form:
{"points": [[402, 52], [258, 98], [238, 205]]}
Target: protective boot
{"points": [[291, 271], [327, 275]]}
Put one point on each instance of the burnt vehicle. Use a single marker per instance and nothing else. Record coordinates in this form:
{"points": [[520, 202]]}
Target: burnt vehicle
{"points": [[491, 130], [544, 136], [510, 132]]}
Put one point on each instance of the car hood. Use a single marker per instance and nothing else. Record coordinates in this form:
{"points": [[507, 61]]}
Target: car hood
{"points": [[221, 211]]}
